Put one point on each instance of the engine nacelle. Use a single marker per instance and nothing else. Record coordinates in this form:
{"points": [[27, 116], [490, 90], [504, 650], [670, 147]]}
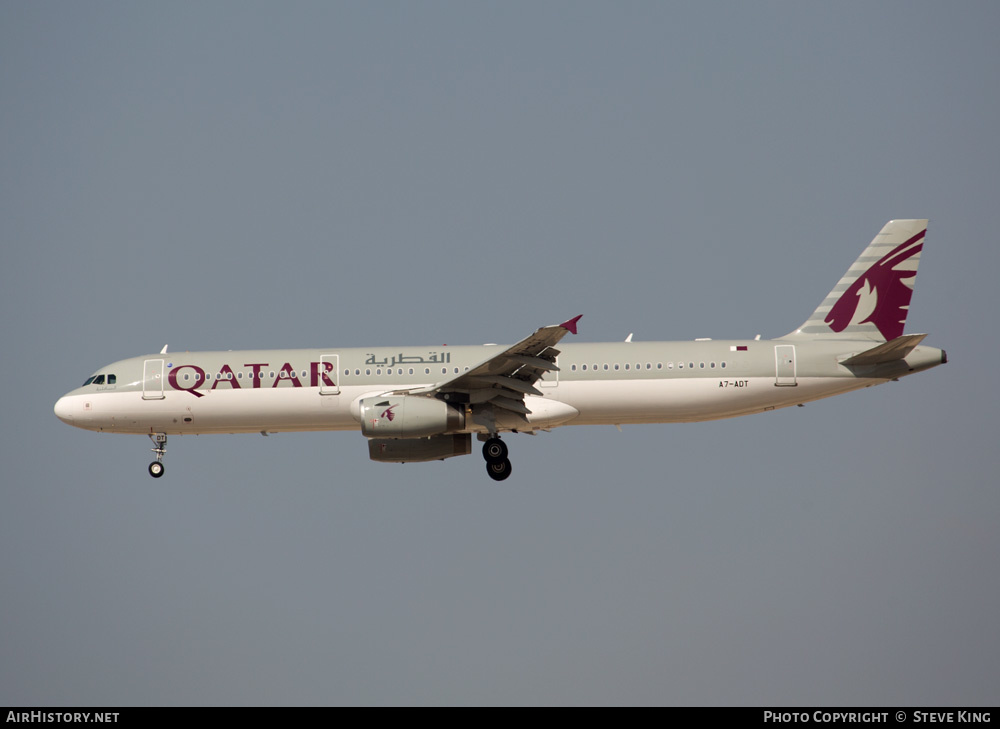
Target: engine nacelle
{"points": [[412, 450], [407, 416]]}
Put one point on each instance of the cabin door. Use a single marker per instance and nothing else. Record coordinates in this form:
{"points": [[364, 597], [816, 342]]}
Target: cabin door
{"points": [[329, 369], [784, 359], [152, 379]]}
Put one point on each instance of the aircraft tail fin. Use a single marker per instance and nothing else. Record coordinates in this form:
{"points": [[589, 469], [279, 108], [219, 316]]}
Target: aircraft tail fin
{"points": [[872, 299]]}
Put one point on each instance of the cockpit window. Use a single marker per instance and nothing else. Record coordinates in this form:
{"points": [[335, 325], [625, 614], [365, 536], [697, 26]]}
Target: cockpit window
{"points": [[100, 380]]}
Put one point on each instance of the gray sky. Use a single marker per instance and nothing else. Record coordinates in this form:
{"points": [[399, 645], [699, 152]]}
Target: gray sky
{"points": [[244, 175]]}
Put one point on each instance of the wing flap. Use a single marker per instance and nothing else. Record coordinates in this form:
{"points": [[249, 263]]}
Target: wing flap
{"points": [[516, 406], [509, 383], [539, 363]]}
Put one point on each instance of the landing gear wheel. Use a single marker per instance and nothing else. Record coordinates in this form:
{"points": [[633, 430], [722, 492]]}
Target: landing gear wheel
{"points": [[156, 468], [498, 470], [494, 450]]}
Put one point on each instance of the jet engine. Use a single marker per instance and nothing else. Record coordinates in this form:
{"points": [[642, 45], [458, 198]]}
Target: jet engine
{"points": [[407, 416], [412, 450]]}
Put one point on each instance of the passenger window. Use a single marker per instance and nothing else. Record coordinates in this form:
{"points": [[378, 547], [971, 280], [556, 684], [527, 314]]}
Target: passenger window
{"points": [[712, 365], [616, 366], [723, 365], [702, 365], [680, 365], [368, 371], [427, 370], [626, 366], [691, 365]]}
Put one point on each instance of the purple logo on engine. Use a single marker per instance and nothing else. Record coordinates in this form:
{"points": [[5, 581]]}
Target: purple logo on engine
{"points": [[388, 414], [881, 294]]}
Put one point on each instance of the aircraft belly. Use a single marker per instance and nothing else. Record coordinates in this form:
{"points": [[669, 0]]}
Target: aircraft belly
{"points": [[120, 412], [288, 409], [694, 399], [229, 411], [673, 400]]}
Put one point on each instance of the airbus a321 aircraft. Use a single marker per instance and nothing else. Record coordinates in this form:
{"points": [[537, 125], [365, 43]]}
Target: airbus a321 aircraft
{"points": [[424, 403]]}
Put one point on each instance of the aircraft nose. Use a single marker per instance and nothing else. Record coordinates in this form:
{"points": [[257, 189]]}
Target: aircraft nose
{"points": [[64, 409]]}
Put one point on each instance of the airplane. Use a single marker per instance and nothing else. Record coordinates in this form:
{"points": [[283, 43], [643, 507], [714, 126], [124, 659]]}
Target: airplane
{"points": [[424, 403]]}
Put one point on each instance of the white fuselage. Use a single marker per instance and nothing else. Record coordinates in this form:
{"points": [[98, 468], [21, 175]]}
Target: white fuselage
{"points": [[613, 383]]}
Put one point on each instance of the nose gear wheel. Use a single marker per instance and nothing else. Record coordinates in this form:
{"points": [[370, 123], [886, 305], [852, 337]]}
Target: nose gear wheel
{"points": [[156, 468]]}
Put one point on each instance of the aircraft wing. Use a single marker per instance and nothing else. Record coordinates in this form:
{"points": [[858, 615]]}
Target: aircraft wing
{"points": [[505, 378]]}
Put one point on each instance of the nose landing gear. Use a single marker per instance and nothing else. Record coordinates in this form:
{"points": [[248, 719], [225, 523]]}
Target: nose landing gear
{"points": [[497, 463], [156, 468]]}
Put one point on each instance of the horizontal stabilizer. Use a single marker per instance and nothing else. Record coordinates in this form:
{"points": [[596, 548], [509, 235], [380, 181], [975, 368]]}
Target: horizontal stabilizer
{"points": [[889, 351]]}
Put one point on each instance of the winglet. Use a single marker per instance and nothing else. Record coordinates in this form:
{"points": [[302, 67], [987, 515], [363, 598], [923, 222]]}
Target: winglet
{"points": [[570, 325]]}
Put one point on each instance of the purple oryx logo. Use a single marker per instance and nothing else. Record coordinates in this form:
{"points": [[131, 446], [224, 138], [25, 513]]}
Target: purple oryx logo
{"points": [[388, 414], [881, 295]]}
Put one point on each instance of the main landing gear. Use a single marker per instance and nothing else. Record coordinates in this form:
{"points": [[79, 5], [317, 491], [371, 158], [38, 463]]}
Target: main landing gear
{"points": [[497, 463], [156, 468]]}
